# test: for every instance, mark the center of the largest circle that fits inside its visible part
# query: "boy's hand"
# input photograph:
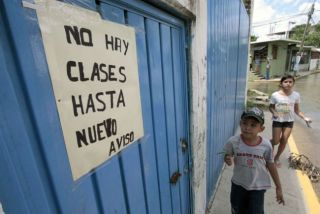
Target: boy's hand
(279, 194)
(228, 160)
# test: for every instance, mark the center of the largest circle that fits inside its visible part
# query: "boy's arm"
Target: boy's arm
(275, 177)
(228, 153)
(228, 159)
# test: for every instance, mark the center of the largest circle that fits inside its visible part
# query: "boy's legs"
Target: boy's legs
(256, 202)
(239, 199)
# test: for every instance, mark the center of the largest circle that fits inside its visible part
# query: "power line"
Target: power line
(284, 18)
(300, 53)
(281, 19)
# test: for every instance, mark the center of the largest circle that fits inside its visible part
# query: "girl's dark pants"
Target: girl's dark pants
(246, 201)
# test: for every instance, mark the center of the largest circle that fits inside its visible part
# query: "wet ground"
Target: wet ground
(307, 139)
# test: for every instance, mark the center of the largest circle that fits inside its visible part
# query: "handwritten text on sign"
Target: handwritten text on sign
(93, 69)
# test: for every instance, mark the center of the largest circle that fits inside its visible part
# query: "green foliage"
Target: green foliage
(312, 36)
(253, 38)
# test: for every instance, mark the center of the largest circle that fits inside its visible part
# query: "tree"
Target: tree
(312, 37)
(253, 38)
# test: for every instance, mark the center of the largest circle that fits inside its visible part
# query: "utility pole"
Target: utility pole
(300, 53)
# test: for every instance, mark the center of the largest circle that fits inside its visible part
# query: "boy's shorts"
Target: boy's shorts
(276, 124)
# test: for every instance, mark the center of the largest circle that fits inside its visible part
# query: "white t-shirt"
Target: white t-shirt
(250, 169)
(284, 105)
(268, 66)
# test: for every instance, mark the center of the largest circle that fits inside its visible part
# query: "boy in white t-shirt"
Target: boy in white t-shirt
(253, 162)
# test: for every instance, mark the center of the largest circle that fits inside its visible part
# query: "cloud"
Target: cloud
(262, 11)
(305, 8)
(296, 3)
(266, 11)
(287, 1)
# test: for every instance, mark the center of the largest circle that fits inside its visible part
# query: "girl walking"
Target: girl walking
(283, 105)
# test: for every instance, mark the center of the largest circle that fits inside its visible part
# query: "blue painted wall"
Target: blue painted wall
(228, 31)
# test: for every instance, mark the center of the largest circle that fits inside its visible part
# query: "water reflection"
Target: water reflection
(310, 93)
(308, 87)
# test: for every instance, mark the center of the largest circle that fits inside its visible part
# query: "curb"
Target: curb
(310, 197)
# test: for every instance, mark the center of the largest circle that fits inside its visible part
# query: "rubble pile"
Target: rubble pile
(302, 162)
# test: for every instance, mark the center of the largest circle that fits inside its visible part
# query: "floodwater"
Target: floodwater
(306, 139)
(309, 89)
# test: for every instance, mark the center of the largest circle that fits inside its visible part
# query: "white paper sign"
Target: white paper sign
(94, 73)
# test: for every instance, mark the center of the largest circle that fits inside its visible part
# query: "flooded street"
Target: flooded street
(309, 89)
(307, 139)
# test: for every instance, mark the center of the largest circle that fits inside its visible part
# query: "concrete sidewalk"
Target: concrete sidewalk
(293, 189)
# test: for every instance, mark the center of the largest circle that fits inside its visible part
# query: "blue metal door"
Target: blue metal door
(150, 176)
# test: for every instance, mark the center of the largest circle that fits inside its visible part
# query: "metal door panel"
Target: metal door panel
(129, 159)
(170, 111)
(133, 180)
(147, 148)
(110, 188)
(16, 179)
(157, 97)
(180, 90)
(151, 72)
(243, 57)
(226, 84)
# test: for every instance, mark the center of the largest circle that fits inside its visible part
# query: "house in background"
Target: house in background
(280, 53)
(314, 59)
(304, 64)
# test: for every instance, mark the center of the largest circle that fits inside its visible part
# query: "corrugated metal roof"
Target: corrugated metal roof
(276, 40)
(258, 48)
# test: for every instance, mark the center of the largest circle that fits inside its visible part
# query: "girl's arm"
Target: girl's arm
(272, 109)
(275, 177)
(300, 113)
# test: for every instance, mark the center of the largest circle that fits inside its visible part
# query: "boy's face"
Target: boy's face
(250, 127)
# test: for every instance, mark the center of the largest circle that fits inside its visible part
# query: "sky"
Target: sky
(285, 11)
